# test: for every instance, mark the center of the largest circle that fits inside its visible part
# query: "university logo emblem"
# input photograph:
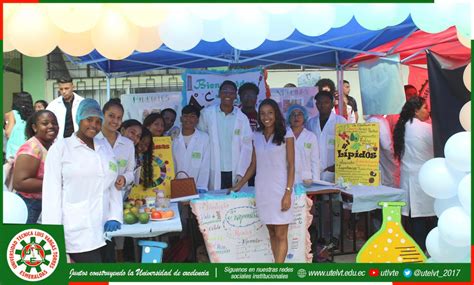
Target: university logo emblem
(33, 255)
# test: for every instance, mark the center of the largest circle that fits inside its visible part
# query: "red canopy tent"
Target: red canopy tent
(411, 49)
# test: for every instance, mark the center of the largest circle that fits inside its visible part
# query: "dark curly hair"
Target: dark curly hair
(280, 127)
(23, 103)
(326, 82)
(147, 160)
(406, 115)
(33, 120)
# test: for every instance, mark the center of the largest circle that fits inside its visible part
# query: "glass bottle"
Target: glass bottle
(391, 244)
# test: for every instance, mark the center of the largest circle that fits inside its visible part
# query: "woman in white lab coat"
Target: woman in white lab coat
(191, 152)
(306, 146)
(324, 127)
(78, 187)
(413, 146)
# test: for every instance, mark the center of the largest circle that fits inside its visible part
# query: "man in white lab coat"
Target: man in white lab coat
(230, 138)
(65, 108)
(191, 151)
(324, 127)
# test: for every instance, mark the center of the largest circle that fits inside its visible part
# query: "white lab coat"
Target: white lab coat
(79, 192)
(57, 107)
(389, 166)
(418, 150)
(195, 159)
(241, 144)
(326, 140)
(124, 151)
(306, 156)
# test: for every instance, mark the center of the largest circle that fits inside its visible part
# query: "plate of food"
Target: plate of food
(162, 215)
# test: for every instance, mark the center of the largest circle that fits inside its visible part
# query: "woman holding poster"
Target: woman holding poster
(273, 157)
(413, 146)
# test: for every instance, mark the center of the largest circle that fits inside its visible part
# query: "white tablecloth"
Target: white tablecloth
(366, 198)
(152, 228)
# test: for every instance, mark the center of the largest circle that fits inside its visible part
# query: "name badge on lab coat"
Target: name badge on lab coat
(308, 145)
(196, 155)
(122, 163)
(237, 132)
(112, 166)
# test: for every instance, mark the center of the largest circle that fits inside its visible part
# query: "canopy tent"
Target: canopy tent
(327, 51)
(411, 50)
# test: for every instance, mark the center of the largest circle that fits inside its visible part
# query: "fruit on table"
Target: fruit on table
(167, 214)
(156, 215)
(143, 218)
(130, 219)
(135, 210)
(127, 205)
(139, 203)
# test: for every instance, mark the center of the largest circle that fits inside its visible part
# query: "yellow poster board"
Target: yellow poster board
(357, 153)
(163, 170)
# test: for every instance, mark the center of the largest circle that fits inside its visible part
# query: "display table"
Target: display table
(151, 229)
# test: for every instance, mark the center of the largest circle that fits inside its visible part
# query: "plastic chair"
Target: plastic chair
(152, 251)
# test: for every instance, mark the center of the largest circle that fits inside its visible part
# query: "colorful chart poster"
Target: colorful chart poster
(233, 232)
(304, 96)
(357, 154)
(163, 171)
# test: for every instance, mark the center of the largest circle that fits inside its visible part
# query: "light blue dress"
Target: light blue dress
(17, 137)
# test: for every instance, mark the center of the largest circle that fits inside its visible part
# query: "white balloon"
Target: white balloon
(149, 39)
(313, 19)
(280, 27)
(145, 15)
(14, 209)
(457, 151)
(442, 204)
(212, 30)
(7, 45)
(31, 32)
(462, 18)
(181, 30)
(423, 15)
(74, 18)
(442, 251)
(455, 226)
(76, 44)
(245, 29)
(210, 11)
(464, 193)
(465, 116)
(113, 36)
(466, 77)
(344, 14)
(280, 8)
(465, 41)
(378, 16)
(438, 179)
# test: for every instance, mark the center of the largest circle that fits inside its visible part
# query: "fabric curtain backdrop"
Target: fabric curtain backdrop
(448, 94)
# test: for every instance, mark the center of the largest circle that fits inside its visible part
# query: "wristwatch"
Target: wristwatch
(289, 189)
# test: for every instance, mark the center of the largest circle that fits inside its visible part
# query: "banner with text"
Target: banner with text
(201, 88)
(138, 106)
(233, 232)
(357, 153)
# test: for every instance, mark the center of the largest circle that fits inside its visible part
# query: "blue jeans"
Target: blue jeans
(34, 209)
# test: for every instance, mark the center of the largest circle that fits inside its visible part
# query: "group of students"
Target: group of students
(78, 163)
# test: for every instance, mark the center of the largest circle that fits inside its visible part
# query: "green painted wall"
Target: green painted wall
(11, 84)
(34, 76)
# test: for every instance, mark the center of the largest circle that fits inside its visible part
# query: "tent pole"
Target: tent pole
(340, 83)
(107, 78)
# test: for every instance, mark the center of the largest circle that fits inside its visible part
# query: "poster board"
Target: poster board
(357, 154)
(233, 232)
(201, 88)
(138, 106)
(304, 96)
(163, 171)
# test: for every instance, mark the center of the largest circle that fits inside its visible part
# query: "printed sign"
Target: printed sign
(138, 106)
(202, 87)
(163, 171)
(357, 153)
(304, 96)
(233, 232)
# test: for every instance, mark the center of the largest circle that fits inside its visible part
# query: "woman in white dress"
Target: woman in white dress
(306, 146)
(273, 157)
(413, 146)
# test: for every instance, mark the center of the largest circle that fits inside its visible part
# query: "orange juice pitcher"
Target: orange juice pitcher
(391, 244)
